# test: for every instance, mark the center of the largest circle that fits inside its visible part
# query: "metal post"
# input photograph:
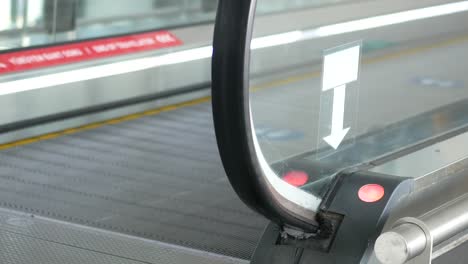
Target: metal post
(409, 239)
(24, 30)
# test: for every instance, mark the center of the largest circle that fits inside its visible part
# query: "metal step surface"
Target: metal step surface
(28, 239)
(158, 177)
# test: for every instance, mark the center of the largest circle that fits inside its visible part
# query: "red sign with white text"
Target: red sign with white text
(86, 50)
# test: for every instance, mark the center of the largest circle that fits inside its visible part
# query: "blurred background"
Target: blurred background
(25, 23)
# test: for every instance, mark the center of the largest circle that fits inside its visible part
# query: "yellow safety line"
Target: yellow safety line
(172, 107)
(103, 123)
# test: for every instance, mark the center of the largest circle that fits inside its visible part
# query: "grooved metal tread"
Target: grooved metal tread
(32, 239)
(158, 177)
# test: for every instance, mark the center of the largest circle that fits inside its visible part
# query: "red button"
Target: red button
(296, 178)
(371, 193)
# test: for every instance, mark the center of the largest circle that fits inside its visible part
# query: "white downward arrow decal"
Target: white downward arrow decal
(340, 68)
(337, 132)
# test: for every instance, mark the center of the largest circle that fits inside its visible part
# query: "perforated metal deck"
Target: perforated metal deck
(26, 239)
(158, 177)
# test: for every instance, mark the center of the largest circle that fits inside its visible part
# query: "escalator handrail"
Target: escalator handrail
(231, 113)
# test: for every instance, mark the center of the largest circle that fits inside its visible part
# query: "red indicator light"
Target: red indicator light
(296, 178)
(371, 193)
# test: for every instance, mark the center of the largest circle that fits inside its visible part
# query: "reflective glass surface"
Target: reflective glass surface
(345, 86)
(25, 23)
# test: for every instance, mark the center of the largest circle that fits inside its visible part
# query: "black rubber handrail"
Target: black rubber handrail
(231, 113)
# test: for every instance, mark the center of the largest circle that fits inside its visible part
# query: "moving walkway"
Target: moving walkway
(90, 181)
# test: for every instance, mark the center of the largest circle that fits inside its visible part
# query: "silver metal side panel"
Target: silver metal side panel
(432, 164)
(440, 172)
